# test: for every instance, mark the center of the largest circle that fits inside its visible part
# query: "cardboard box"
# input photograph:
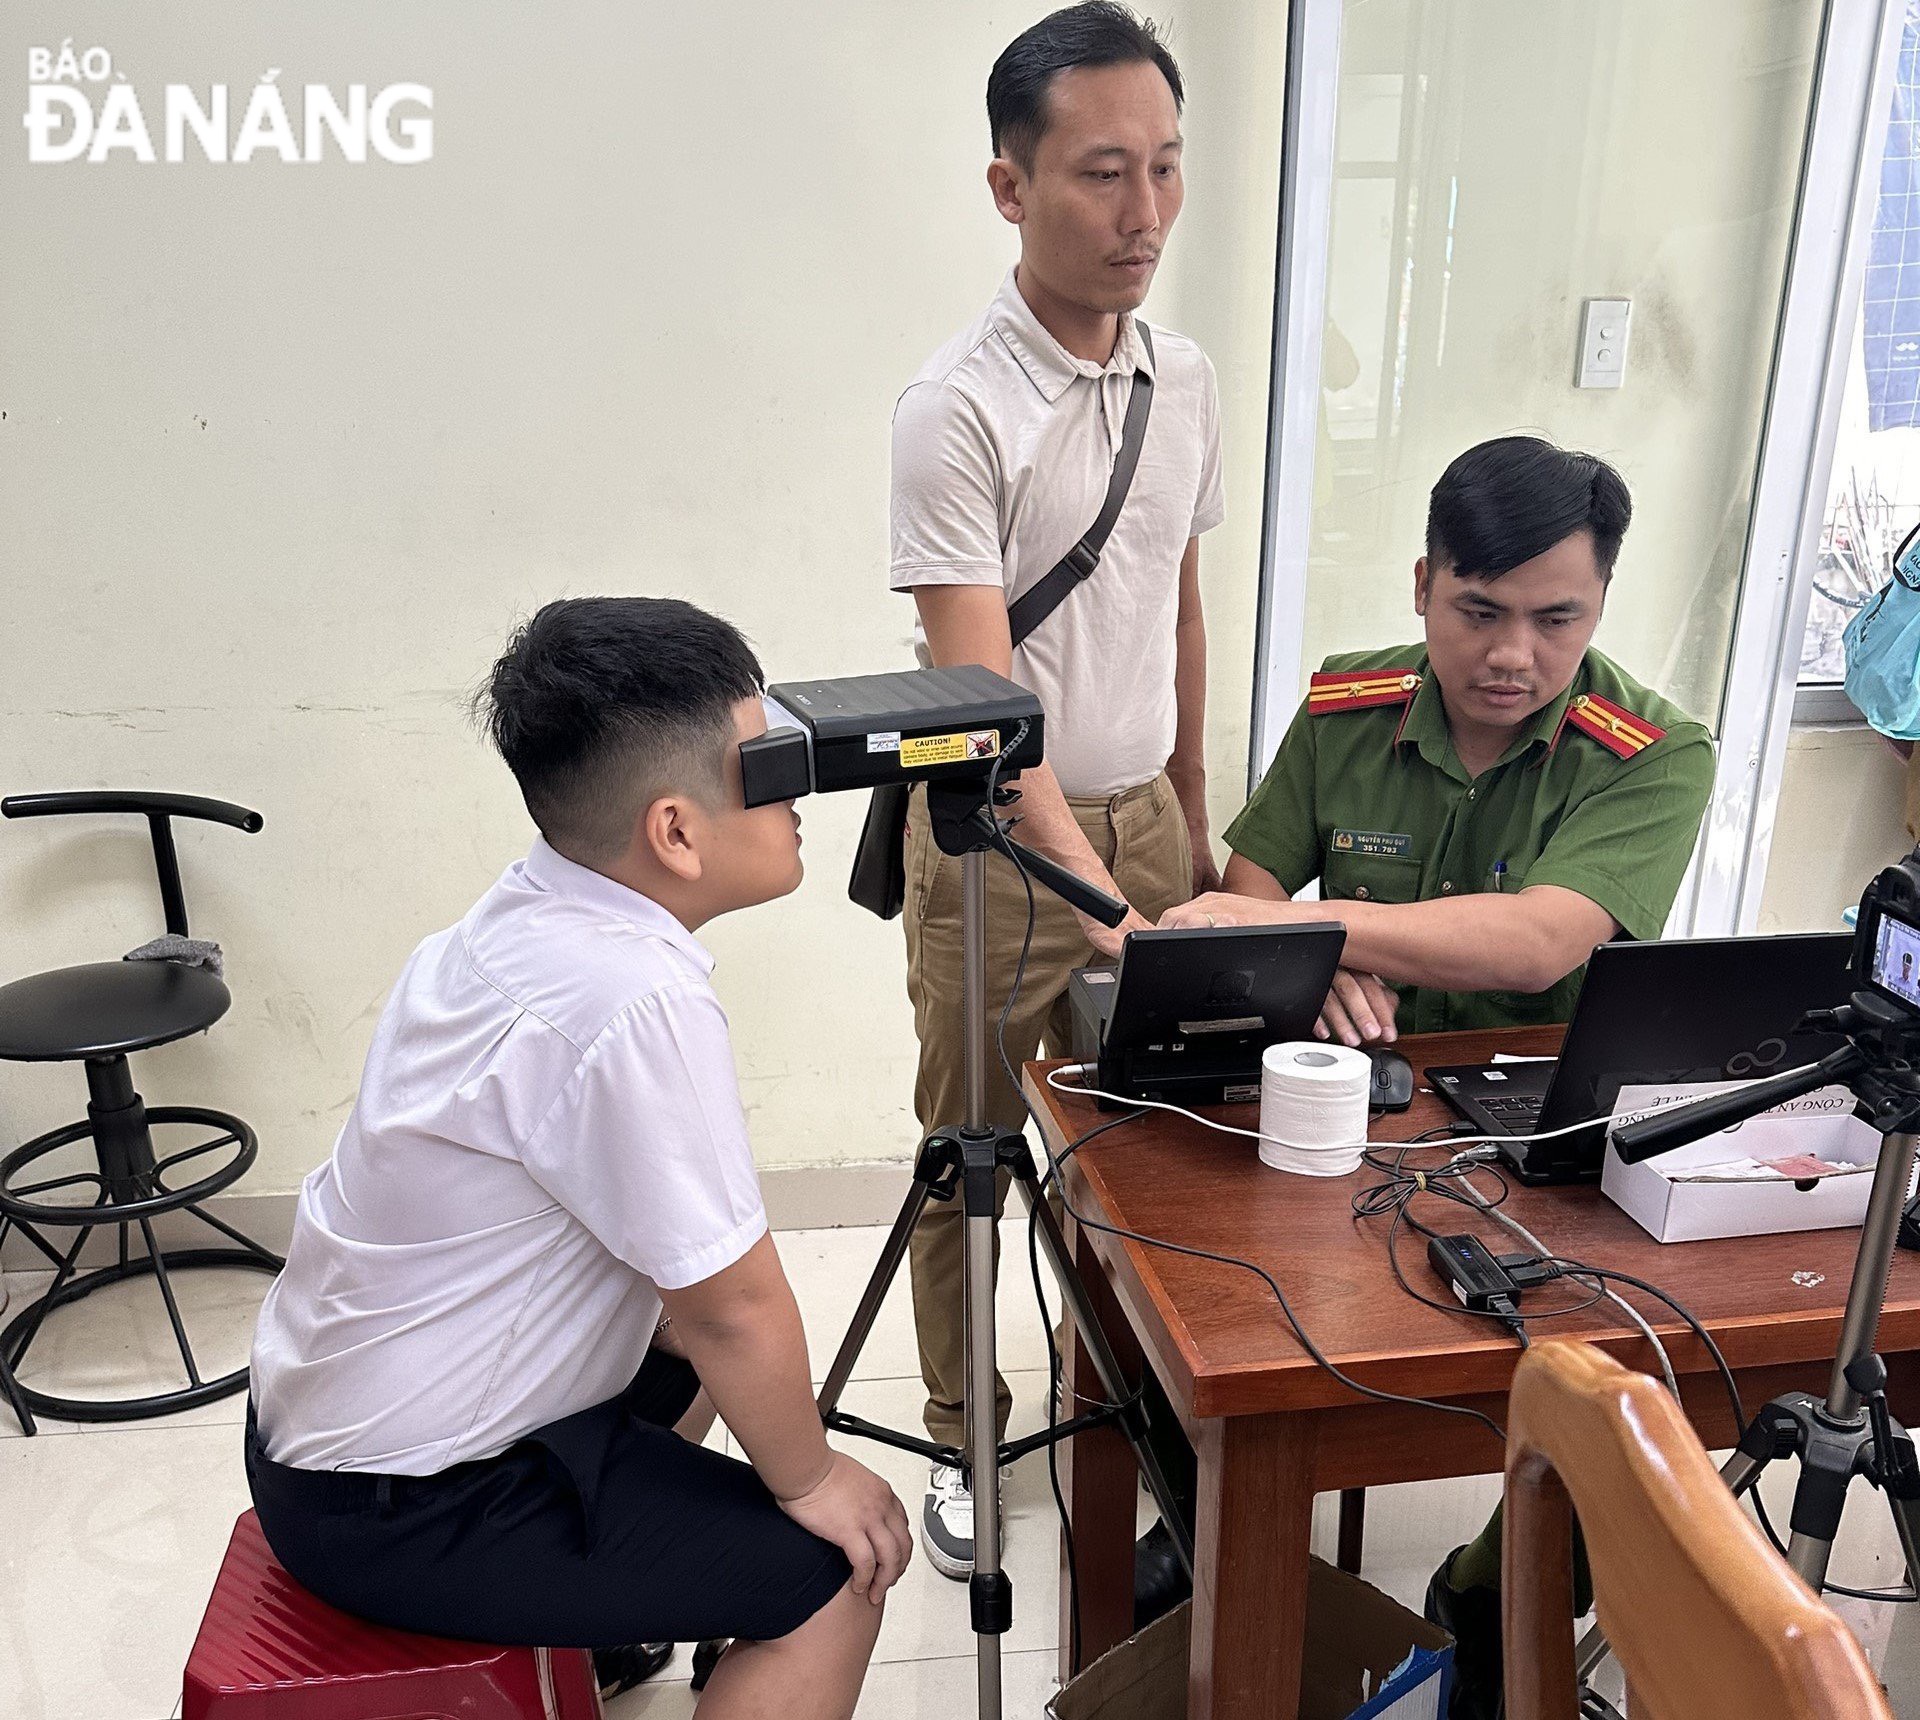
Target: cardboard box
(1671, 1209)
(1367, 1658)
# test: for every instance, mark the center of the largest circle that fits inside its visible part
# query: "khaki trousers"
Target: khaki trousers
(1141, 838)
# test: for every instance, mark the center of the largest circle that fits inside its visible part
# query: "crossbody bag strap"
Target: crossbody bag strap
(1052, 589)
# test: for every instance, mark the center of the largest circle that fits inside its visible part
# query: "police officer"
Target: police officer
(1484, 808)
(1480, 810)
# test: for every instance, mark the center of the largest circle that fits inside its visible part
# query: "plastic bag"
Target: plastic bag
(1882, 644)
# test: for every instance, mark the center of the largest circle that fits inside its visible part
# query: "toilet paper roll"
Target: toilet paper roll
(1313, 1108)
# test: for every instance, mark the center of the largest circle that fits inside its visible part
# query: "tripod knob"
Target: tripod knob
(1868, 1376)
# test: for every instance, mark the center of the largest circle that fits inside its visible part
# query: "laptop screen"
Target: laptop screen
(1698, 1009)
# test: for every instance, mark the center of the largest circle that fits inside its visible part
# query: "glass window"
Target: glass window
(1496, 165)
(1873, 494)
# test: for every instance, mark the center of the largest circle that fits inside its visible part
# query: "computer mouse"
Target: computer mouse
(1392, 1086)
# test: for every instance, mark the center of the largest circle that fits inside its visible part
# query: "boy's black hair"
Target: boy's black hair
(601, 704)
(1098, 33)
(1514, 498)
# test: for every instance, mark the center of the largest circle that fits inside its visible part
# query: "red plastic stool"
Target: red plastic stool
(268, 1650)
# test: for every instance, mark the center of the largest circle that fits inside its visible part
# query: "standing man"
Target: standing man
(1003, 447)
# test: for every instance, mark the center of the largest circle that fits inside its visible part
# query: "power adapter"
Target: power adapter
(1466, 1266)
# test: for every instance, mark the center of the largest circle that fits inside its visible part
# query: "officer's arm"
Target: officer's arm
(968, 624)
(1525, 942)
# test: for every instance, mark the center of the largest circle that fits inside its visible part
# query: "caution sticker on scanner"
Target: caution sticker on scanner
(923, 750)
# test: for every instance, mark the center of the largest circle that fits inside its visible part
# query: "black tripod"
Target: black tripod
(967, 1161)
(1849, 1434)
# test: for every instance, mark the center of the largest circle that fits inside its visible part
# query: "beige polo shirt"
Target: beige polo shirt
(1002, 449)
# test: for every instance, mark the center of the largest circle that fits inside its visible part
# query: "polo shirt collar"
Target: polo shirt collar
(1049, 366)
(1425, 725)
(552, 871)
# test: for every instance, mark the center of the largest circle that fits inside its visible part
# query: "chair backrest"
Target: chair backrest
(1707, 1620)
(159, 810)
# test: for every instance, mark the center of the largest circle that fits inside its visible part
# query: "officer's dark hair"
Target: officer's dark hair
(1514, 498)
(600, 705)
(1098, 33)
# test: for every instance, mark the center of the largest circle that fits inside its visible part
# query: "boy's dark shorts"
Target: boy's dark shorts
(601, 1529)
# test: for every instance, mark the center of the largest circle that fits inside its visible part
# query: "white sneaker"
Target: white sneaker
(946, 1522)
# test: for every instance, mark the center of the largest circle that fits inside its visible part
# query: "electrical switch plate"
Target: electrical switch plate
(1603, 343)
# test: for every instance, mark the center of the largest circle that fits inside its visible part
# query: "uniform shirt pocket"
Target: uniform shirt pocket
(1371, 878)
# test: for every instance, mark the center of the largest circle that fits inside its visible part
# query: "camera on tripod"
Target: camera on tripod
(1886, 942)
(871, 731)
(1850, 1433)
(1880, 1061)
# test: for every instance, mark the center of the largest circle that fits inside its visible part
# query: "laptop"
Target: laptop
(1187, 1013)
(1696, 1009)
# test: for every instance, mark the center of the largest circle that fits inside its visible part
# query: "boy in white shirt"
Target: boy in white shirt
(539, 1245)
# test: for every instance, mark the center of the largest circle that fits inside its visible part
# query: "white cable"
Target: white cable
(1084, 1069)
(1081, 1069)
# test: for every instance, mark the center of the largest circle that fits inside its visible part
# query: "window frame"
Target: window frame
(1832, 222)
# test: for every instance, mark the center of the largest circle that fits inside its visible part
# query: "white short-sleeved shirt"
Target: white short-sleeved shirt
(1002, 449)
(549, 1128)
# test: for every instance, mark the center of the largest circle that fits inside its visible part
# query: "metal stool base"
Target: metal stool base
(25, 1326)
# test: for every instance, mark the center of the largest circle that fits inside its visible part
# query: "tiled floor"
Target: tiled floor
(110, 1533)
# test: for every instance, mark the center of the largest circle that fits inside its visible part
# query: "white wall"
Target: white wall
(286, 449)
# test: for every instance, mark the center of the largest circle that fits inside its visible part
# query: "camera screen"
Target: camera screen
(1896, 959)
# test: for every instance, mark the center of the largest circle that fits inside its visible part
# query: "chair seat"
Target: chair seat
(269, 1650)
(106, 1009)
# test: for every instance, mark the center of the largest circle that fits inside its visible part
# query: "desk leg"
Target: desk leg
(1250, 1575)
(1101, 1484)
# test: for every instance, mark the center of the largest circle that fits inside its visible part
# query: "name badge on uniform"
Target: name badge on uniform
(1376, 844)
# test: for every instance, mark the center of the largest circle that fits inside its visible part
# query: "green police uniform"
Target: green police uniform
(1601, 793)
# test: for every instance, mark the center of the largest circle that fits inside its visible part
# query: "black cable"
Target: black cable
(1396, 1192)
(1402, 1216)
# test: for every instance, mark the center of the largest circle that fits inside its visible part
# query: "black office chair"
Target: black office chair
(98, 1014)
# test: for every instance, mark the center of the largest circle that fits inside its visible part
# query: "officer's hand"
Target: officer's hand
(1359, 1010)
(1215, 909)
(1108, 939)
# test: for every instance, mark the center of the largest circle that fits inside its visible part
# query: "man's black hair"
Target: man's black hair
(1098, 33)
(601, 704)
(1514, 498)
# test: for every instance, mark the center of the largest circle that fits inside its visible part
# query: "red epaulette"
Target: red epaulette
(1360, 690)
(1619, 731)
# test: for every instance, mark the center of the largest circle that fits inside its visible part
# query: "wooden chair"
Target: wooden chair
(1706, 1619)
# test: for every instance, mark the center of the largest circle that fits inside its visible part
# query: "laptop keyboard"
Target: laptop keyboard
(1513, 1108)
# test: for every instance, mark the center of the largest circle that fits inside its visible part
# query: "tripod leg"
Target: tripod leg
(1105, 1365)
(930, 1169)
(1906, 1524)
(989, 1589)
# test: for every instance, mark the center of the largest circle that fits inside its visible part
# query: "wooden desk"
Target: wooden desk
(1271, 1428)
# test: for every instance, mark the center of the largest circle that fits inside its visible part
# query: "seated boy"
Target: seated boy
(462, 1423)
